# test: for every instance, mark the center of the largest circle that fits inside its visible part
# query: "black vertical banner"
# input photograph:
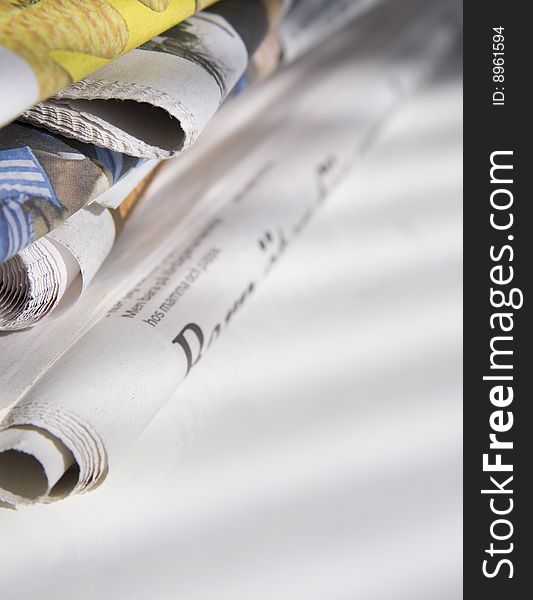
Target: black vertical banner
(498, 260)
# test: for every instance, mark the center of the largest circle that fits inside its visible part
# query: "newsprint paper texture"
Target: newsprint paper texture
(45, 179)
(51, 274)
(82, 389)
(155, 101)
(46, 45)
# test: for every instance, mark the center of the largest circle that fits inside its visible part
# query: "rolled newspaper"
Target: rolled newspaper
(155, 101)
(45, 179)
(84, 388)
(51, 274)
(36, 197)
(46, 45)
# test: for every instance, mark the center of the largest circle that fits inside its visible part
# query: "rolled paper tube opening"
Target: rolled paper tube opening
(143, 121)
(32, 462)
(33, 282)
(127, 122)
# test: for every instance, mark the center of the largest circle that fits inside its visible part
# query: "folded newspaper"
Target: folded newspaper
(44, 179)
(79, 390)
(155, 101)
(26, 297)
(46, 45)
(50, 274)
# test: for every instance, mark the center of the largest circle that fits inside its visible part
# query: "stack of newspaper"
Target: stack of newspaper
(95, 97)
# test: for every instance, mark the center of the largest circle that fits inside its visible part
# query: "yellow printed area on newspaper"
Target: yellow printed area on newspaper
(65, 40)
